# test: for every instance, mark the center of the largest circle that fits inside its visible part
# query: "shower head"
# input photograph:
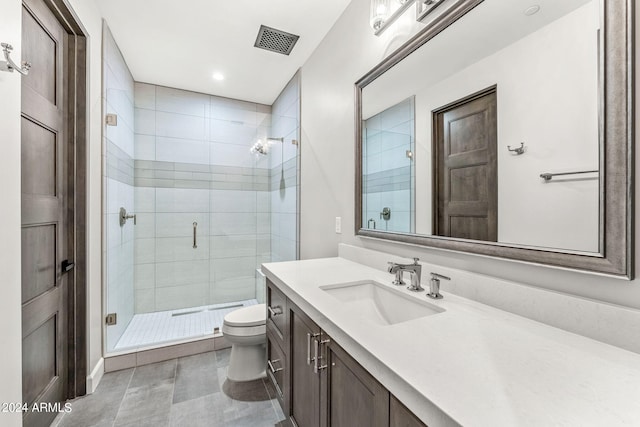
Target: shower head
(261, 147)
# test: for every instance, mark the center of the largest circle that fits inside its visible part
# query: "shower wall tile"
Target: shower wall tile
(263, 223)
(192, 163)
(233, 246)
(234, 110)
(145, 147)
(182, 150)
(230, 290)
(145, 276)
(180, 126)
(230, 155)
(232, 132)
(145, 300)
(145, 121)
(145, 96)
(145, 199)
(181, 224)
(232, 268)
(182, 273)
(183, 296)
(145, 227)
(170, 249)
(182, 102)
(145, 251)
(233, 201)
(233, 223)
(182, 200)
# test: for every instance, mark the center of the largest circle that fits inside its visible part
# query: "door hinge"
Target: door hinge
(111, 319)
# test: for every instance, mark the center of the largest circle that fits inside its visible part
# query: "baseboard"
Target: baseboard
(94, 378)
(160, 353)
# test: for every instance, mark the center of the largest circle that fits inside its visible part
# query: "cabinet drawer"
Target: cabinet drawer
(276, 366)
(276, 312)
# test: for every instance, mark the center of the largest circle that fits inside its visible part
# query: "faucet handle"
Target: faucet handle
(415, 261)
(436, 276)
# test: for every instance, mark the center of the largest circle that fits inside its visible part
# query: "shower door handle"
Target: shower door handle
(195, 240)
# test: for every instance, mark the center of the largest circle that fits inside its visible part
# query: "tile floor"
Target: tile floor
(163, 326)
(186, 392)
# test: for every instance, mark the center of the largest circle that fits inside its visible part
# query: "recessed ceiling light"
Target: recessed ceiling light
(218, 76)
(532, 10)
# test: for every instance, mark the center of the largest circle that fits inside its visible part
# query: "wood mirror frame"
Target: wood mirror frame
(616, 111)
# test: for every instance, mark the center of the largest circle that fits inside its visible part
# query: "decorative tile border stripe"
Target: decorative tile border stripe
(388, 180)
(198, 176)
(119, 166)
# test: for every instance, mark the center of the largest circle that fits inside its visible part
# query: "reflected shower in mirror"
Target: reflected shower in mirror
(440, 127)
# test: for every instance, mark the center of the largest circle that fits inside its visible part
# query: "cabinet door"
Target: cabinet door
(304, 394)
(351, 397)
(277, 369)
(400, 416)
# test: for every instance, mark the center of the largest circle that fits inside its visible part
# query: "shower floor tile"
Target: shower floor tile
(163, 326)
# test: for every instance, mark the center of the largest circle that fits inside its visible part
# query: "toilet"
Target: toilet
(245, 329)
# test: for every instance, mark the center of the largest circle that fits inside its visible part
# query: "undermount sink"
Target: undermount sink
(380, 304)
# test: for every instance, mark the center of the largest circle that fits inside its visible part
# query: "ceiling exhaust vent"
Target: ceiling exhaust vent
(275, 40)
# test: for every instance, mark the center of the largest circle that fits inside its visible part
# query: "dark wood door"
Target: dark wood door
(351, 397)
(304, 394)
(44, 216)
(465, 168)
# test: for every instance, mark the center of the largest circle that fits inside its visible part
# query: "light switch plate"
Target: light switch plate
(338, 225)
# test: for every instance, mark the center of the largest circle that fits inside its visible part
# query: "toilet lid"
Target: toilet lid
(253, 315)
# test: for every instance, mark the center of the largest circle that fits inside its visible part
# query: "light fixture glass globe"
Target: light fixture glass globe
(380, 11)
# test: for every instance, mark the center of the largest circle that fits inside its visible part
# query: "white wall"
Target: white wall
(348, 51)
(537, 107)
(10, 311)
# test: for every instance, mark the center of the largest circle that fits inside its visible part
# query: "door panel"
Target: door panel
(44, 213)
(466, 171)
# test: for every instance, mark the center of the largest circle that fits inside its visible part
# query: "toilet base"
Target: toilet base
(247, 362)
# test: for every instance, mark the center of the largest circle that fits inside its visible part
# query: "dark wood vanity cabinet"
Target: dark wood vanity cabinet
(319, 384)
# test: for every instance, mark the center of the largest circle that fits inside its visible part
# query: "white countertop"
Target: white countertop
(472, 365)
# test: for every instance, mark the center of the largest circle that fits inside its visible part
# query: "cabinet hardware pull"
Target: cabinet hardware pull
(316, 350)
(274, 370)
(309, 336)
(274, 311)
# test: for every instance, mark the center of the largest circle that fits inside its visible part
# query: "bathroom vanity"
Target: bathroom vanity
(345, 347)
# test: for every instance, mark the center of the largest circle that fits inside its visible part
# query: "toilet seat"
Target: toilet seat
(243, 332)
(254, 315)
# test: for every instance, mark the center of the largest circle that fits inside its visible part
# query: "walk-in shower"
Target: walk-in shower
(190, 213)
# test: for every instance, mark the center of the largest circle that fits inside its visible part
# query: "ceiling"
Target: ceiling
(181, 44)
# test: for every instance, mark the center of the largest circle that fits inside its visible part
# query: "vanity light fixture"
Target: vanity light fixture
(386, 12)
(218, 76)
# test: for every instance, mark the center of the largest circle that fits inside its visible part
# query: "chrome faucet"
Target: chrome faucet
(414, 269)
(434, 285)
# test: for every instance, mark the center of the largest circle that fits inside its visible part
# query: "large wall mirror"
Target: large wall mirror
(505, 129)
